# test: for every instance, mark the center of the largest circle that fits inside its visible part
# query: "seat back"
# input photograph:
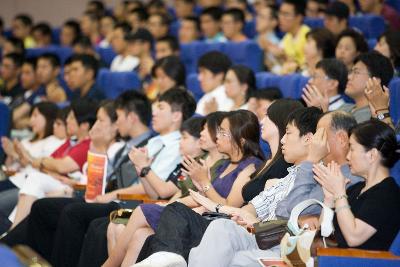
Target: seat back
(394, 89)
(115, 83)
(395, 247)
(62, 52)
(5, 124)
(193, 85)
(106, 54)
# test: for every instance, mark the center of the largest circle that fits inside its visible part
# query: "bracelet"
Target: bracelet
(339, 197)
(342, 208)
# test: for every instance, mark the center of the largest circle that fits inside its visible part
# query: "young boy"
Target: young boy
(212, 68)
(47, 71)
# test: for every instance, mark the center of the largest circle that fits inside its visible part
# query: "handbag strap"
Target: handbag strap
(327, 217)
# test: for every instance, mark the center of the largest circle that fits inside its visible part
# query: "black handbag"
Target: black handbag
(269, 234)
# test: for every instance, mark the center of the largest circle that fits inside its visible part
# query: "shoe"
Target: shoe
(162, 259)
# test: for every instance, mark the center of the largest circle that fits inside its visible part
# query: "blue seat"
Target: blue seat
(174, 28)
(62, 52)
(115, 83)
(314, 22)
(106, 54)
(9, 258)
(5, 124)
(250, 29)
(247, 53)
(267, 79)
(193, 85)
(371, 43)
(394, 89)
(55, 35)
(372, 26)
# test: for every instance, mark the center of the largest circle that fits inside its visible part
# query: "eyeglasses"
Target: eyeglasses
(222, 133)
(358, 72)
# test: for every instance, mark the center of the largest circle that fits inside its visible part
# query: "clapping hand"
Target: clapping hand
(378, 96)
(202, 200)
(140, 158)
(197, 171)
(315, 98)
(331, 179)
(319, 147)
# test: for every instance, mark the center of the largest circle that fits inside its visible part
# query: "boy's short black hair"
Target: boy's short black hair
(136, 102)
(214, 12)
(335, 69)
(52, 58)
(299, 6)
(171, 41)
(268, 93)
(193, 126)
(125, 27)
(74, 25)
(16, 58)
(236, 14)
(43, 27)
(193, 19)
(25, 19)
(30, 61)
(378, 66)
(141, 13)
(17, 43)
(84, 111)
(215, 61)
(180, 101)
(83, 41)
(305, 119)
(89, 62)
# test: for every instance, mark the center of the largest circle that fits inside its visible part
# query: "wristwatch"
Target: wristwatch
(145, 171)
(382, 116)
(218, 207)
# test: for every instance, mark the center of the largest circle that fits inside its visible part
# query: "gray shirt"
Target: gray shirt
(306, 187)
(360, 114)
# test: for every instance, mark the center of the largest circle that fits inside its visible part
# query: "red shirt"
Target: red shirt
(77, 152)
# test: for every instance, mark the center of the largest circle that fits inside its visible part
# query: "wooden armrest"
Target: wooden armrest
(140, 197)
(79, 187)
(29, 257)
(356, 253)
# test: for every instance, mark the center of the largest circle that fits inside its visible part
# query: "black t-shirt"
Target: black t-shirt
(379, 207)
(256, 185)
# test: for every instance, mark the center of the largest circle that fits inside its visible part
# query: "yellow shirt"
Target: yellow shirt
(294, 45)
(29, 42)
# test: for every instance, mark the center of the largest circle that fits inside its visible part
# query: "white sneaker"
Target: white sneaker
(162, 259)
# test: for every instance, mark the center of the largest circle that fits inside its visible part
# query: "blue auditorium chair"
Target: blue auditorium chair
(55, 35)
(193, 85)
(394, 89)
(267, 79)
(188, 56)
(174, 28)
(314, 22)
(5, 124)
(62, 52)
(115, 83)
(106, 54)
(372, 26)
(250, 29)
(371, 43)
(247, 53)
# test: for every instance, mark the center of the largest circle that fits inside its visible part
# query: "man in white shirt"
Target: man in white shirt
(123, 61)
(212, 68)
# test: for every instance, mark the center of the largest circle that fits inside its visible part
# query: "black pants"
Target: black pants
(71, 229)
(180, 229)
(95, 243)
